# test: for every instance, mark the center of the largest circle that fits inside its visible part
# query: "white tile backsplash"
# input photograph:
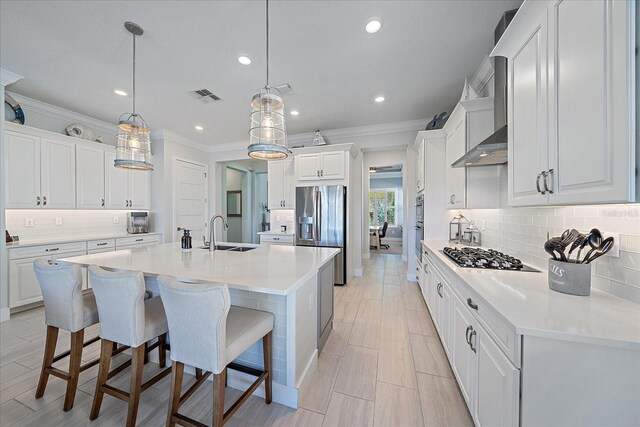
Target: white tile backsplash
(521, 232)
(74, 223)
(282, 217)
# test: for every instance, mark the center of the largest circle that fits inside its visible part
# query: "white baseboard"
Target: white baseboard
(357, 272)
(4, 314)
(366, 255)
(309, 370)
(412, 277)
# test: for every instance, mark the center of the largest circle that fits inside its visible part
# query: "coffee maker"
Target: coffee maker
(137, 222)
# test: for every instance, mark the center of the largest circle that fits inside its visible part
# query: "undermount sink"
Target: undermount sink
(230, 248)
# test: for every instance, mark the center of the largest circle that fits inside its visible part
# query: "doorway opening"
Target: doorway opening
(386, 209)
(244, 199)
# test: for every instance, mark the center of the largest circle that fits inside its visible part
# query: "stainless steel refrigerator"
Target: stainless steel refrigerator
(321, 215)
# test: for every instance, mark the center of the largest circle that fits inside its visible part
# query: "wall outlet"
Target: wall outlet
(116, 220)
(614, 252)
(58, 221)
(28, 222)
(311, 302)
(290, 218)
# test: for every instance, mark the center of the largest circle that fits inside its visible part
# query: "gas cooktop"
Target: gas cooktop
(485, 258)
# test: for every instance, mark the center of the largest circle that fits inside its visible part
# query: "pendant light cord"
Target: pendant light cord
(134, 74)
(267, 9)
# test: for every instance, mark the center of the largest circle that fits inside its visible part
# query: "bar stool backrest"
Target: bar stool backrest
(120, 300)
(197, 318)
(61, 286)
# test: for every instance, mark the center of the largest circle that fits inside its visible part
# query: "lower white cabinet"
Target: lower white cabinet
(137, 241)
(464, 358)
(277, 239)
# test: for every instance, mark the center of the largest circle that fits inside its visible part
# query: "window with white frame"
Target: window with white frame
(382, 206)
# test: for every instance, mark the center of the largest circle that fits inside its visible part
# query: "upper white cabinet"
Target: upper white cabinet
(125, 188)
(41, 172)
(90, 189)
(420, 170)
(50, 171)
(470, 187)
(571, 102)
(281, 179)
(320, 166)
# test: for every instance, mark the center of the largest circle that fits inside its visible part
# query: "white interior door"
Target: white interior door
(190, 199)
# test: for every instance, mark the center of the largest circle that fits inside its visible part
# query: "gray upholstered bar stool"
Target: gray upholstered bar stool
(208, 333)
(126, 318)
(66, 308)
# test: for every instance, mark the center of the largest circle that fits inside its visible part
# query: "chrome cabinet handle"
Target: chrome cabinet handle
(469, 328)
(139, 240)
(318, 173)
(452, 199)
(321, 172)
(438, 289)
(471, 304)
(548, 187)
(276, 238)
(102, 204)
(471, 342)
(37, 200)
(101, 244)
(44, 200)
(538, 183)
(52, 249)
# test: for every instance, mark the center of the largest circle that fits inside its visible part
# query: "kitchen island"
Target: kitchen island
(288, 281)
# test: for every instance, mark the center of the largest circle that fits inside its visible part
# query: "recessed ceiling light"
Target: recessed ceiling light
(294, 112)
(120, 92)
(374, 25)
(379, 99)
(244, 60)
(199, 127)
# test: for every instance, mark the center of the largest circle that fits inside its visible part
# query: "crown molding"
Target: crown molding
(166, 134)
(33, 105)
(7, 77)
(333, 135)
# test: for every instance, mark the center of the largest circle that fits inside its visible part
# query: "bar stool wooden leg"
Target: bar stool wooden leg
(162, 350)
(137, 362)
(198, 373)
(177, 373)
(75, 358)
(218, 398)
(146, 355)
(266, 350)
(47, 361)
(106, 349)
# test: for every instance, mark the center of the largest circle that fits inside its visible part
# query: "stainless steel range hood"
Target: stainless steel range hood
(493, 150)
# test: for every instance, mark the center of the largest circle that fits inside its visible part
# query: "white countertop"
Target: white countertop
(525, 300)
(267, 269)
(80, 238)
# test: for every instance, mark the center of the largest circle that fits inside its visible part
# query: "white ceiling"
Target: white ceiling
(72, 54)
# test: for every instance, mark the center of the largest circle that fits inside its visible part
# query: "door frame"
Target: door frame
(174, 191)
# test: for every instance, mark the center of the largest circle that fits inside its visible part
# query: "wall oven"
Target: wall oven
(419, 227)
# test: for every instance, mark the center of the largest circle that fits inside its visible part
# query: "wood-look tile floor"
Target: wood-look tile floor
(383, 365)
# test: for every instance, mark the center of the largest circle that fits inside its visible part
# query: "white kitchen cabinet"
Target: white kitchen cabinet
(125, 188)
(23, 284)
(420, 178)
(474, 187)
(572, 136)
(456, 147)
(498, 384)
(281, 188)
(137, 241)
(41, 172)
(22, 173)
(90, 177)
(464, 357)
(277, 239)
(320, 166)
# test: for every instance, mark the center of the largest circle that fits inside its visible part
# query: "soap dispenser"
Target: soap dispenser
(186, 239)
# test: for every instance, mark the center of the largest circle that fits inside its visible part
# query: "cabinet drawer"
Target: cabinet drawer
(47, 250)
(137, 240)
(502, 334)
(101, 244)
(277, 238)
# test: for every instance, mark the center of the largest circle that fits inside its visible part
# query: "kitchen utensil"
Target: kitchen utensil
(578, 242)
(559, 248)
(548, 246)
(605, 247)
(594, 240)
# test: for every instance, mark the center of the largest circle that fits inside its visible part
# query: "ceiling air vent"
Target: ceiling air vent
(204, 95)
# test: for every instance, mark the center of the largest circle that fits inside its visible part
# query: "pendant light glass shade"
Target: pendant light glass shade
(133, 150)
(134, 143)
(267, 136)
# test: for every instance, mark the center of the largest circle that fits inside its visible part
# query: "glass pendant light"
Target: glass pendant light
(267, 135)
(134, 136)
